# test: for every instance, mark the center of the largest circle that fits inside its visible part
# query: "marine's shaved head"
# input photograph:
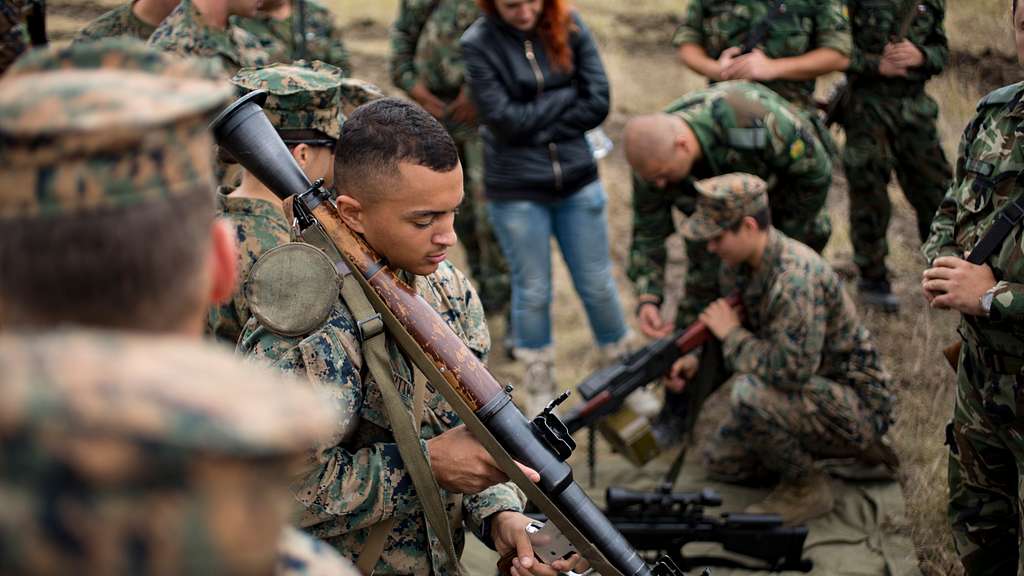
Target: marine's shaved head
(650, 138)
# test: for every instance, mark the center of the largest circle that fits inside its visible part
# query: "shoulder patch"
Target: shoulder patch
(291, 289)
(1001, 96)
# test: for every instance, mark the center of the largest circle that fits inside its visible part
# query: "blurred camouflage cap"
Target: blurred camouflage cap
(300, 96)
(79, 139)
(355, 93)
(117, 53)
(722, 202)
(146, 455)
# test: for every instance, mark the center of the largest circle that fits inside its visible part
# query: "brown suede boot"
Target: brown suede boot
(798, 502)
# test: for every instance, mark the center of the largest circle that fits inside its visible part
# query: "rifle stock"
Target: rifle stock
(482, 403)
(605, 391)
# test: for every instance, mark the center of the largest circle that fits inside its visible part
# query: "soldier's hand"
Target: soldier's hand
(462, 465)
(683, 370)
(754, 65)
(954, 283)
(424, 97)
(720, 318)
(903, 54)
(651, 323)
(462, 109)
(889, 69)
(508, 531)
(725, 60)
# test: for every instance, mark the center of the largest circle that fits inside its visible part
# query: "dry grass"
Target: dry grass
(645, 76)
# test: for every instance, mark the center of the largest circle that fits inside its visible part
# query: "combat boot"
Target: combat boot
(538, 383)
(877, 293)
(798, 502)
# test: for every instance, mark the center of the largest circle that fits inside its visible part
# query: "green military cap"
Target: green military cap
(722, 202)
(119, 53)
(355, 93)
(80, 139)
(303, 99)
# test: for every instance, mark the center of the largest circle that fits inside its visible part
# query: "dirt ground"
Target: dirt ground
(634, 39)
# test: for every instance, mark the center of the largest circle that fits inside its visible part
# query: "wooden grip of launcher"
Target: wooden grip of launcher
(952, 354)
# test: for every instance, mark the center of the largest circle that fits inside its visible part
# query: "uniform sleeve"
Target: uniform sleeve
(790, 351)
(358, 488)
(1008, 302)
(471, 315)
(691, 31)
(863, 63)
(832, 27)
(652, 225)
(481, 506)
(802, 163)
(590, 108)
(405, 34)
(928, 33)
(941, 239)
(336, 52)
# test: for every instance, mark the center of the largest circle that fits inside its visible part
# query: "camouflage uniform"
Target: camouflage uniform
(807, 380)
(806, 25)
(184, 33)
(323, 36)
(986, 437)
(741, 127)
(359, 479)
(13, 35)
(120, 21)
(127, 452)
(298, 99)
(890, 123)
(425, 47)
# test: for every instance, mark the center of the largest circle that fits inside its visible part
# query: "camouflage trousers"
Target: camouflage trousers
(887, 133)
(483, 254)
(702, 267)
(774, 433)
(986, 468)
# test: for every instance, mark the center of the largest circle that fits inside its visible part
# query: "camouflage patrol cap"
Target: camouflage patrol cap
(146, 454)
(79, 139)
(355, 93)
(722, 202)
(300, 96)
(117, 53)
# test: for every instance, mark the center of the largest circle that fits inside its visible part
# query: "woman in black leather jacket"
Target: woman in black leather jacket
(539, 85)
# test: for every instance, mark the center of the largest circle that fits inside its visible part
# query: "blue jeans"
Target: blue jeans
(580, 224)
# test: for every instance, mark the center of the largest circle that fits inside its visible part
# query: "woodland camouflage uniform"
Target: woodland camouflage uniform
(358, 478)
(323, 36)
(806, 25)
(890, 123)
(13, 35)
(986, 437)
(807, 380)
(128, 452)
(425, 47)
(183, 32)
(744, 127)
(120, 21)
(299, 98)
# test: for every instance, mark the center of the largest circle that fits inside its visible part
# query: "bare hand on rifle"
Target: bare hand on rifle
(720, 318)
(683, 370)
(955, 284)
(425, 98)
(903, 54)
(508, 531)
(463, 466)
(652, 324)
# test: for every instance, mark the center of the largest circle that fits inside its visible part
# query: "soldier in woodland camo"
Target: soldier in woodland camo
(137, 19)
(807, 380)
(275, 29)
(129, 447)
(986, 436)
(202, 28)
(426, 63)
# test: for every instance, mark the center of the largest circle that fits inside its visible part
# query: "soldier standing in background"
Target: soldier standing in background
(202, 28)
(426, 63)
(889, 122)
(985, 436)
(277, 28)
(304, 105)
(129, 447)
(790, 43)
(138, 19)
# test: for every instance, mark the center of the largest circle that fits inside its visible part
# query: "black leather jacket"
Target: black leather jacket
(533, 117)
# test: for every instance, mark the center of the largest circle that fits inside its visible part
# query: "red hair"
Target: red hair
(553, 26)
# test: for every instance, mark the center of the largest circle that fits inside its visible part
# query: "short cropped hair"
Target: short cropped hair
(762, 217)
(381, 134)
(126, 267)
